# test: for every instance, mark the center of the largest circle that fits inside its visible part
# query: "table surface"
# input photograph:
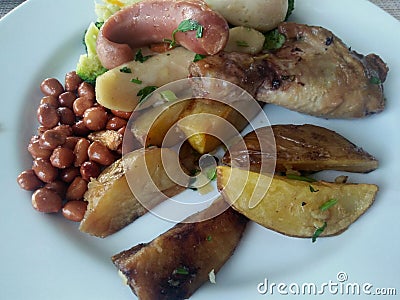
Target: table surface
(391, 6)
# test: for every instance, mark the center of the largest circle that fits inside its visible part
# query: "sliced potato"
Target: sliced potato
(111, 203)
(294, 207)
(195, 124)
(245, 40)
(301, 148)
(178, 262)
(115, 89)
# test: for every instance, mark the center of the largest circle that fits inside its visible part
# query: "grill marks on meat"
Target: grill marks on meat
(314, 73)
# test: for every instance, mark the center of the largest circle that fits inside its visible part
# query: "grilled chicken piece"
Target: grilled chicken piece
(314, 73)
(178, 262)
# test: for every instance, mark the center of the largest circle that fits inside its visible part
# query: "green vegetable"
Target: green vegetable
(242, 43)
(328, 204)
(290, 9)
(198, 57)
(125, 70)
(181, 271)
(318, 232)
(375, 80)
(139, 56)
(301, 178)
(312, 190)
(273, 40)
(89, 65)
(136, 80)
(209, 238)
(187, 25)
(144, 92)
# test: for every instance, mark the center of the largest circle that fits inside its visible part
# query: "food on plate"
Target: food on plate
(111, 203)
(307, 147)
(313, 72)
(262, 15)
(295, 207)
(245, 39)
(191, 24)
(120, 87)
(176, 263)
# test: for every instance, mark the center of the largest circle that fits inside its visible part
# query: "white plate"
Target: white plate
(46, 257)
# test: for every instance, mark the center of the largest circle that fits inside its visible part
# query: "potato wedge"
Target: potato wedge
(294, 207)
(198, 124)
(111, 203)
(115, 89)
(302, 148)
(178, 262)
(245, 40)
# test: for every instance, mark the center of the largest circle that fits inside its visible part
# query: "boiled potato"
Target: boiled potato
(175, 264)
(293, 207)
(195, 124)
(245, 40)
(115, 89)
(305, 147)
(111, 203)
(262, 15)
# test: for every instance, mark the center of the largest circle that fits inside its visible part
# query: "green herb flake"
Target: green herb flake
(318, 232)
(187, 25)
(99, 24)
(144, 92)
(242, 43)
(328, 204)
(125, 70)
(312, 189)
(168, 95)
(301, 178)
(209, 238)
(273, 40)
(137, 81)
(198, 57)
(181, 271)
(140, 58)
(375, 80)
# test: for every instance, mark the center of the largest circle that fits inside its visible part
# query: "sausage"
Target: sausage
(152, 21)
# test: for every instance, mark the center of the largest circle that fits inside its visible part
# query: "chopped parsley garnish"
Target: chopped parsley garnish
(99, 24)
(139, 56)
(181, 271)
(242, 43)
(137, 81)
(328, 204)
(318, 232)
(209, 238)
(144, 92)
(290, 9)
(125, 70)
(312, 190)
(198, 57)
(273, 40)
(375, 80)
(301, 178)
(184, 26)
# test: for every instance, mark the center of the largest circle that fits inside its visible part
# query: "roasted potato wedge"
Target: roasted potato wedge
(293, 207)
(197, 126)
(111, 203)
(302, 148)
(175, 264)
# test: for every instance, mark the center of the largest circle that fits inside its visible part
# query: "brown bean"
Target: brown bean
(50, 139)
(80, 129)
(36, 151)
(64, 129)
(46, 200)
(47, 115)
(70, 142)
(77, 189)
(62, 157)
(66, 99)
(51, 100)
(122, 114)
(115, 123)
(81, 104)
(68, 174)
(72, 81)
(44, 170)
(100, 154)
(74, 210)
(95, 118)
(51, 87)
(86, 90)
(66, 115)
(89, 169)
(29, 181)
(81, 151)
(57, 186)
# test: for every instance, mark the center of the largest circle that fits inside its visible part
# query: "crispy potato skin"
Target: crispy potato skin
(198, 248)
(292, 207)
(303, 148)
